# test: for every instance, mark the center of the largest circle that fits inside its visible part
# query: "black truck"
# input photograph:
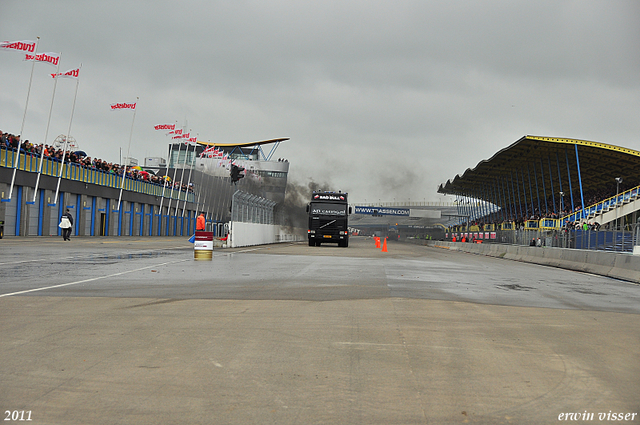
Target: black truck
(328, 218)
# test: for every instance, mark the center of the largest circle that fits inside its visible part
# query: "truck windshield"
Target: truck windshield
(333, 210)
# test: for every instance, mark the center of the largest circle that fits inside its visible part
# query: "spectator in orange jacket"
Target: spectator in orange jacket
(200, 222)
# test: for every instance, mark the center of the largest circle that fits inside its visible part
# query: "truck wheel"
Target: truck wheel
(312, 242)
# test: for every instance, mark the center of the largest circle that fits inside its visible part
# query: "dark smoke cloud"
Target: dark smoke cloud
(298, 195)
(400, 182)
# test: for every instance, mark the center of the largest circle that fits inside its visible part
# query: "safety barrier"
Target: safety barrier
(249, 234)
(254, 221)
(611, 264)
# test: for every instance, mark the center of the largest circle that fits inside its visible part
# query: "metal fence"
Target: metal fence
(622, 240)
(248, 208)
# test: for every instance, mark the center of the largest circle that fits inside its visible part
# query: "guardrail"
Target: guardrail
(624, 240)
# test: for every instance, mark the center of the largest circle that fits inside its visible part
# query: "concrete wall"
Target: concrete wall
(617, 265)
(249, 234)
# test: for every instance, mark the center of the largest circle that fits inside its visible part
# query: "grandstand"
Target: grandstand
(548, 184)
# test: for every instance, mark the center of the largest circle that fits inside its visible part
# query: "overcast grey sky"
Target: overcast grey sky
(384, 99)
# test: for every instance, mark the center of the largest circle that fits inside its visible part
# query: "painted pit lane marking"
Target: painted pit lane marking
(92, 279)
(108, 276)
(82, 256)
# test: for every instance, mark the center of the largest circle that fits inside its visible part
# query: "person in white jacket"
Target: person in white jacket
(66, 223)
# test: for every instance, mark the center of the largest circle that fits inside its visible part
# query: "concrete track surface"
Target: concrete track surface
(133, 331)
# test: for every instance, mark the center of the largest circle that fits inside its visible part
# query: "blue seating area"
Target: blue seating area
(603, 206)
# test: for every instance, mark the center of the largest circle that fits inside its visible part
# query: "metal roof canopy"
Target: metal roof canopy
(253, 145)
(537, 164)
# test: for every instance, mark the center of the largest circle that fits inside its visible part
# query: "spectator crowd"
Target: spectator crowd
(590, 198)
(12, 142)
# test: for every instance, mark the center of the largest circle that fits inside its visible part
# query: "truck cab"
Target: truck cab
(328, 218)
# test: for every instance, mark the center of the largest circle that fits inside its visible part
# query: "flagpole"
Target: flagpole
(200, 188)
(46, 133)
(66, 139)
(186, 155)
(124, 171)
(164, 185)
(199, 194)
(173, 183)
(184, 206)
(16, 162)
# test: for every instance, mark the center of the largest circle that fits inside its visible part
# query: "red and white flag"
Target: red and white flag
(72, 73)
(165, 127)
(19, 46)
(176, 137)
(213, 152)
(176, 131)
(119, 106)
(193, 139)
(207, 152)
(186, 135)
(48, 57)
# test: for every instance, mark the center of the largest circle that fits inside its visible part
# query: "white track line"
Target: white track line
(107, 276)
(39, 259)
(92, 279)
(89, 256)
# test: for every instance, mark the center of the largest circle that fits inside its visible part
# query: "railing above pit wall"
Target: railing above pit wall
(72, 171)
(622, 240)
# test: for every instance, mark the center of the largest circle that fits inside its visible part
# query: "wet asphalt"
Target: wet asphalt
(164, 268)
(134, 331)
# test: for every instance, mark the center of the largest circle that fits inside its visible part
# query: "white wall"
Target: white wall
(248, 234)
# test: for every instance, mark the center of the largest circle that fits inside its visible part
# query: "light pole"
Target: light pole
(618, 181)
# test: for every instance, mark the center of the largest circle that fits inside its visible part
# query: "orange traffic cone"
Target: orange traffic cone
(384, 245)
